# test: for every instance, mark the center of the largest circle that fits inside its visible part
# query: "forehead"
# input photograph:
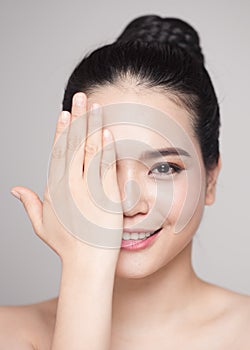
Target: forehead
(144, 114)
(158, 101)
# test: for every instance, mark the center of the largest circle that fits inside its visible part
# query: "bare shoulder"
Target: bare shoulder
(30, 326)
(238, 320)
(232, 316)
(235, 304)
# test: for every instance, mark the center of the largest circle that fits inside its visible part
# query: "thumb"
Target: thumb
(32, 204)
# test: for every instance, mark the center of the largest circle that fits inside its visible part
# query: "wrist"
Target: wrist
(84, 258)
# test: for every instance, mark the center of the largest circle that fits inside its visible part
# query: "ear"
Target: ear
(212, 177)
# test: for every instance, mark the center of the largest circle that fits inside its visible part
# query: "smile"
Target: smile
(138, 235)
(137, 244)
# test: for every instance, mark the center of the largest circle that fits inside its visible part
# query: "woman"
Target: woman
(136, 153)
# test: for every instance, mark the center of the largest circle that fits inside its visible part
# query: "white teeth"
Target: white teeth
(126, 236)
(135, 235)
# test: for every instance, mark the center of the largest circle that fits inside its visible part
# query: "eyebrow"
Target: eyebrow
(170, 151)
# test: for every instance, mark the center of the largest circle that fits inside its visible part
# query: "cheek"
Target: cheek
(181, 201)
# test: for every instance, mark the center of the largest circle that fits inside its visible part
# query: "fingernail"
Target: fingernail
(78, 99)
(95, 108)
(65, 117)
(107, 134)
(16, 194)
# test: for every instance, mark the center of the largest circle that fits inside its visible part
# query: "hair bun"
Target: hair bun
(174, 31)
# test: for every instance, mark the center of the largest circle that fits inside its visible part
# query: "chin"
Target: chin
(134, 267)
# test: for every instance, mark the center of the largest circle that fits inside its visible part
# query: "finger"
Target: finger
(33, 206)
(79, 105)
(108, 167)
(77, 135)
(62, 124)
(93, 144)
(58, 153)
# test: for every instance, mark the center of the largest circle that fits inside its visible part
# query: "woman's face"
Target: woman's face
(160, 173)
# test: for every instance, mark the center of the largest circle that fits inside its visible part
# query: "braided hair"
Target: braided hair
(164, 31)
(162, 53)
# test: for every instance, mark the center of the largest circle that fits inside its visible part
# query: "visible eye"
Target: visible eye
(165, 169)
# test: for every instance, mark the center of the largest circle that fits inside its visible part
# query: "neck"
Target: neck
(152, 300)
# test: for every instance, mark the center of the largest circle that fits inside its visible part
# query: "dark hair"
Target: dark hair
(160, 53)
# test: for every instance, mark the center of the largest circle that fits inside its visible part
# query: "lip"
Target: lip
(135, 245)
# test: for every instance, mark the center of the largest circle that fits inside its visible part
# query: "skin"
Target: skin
(157, 299)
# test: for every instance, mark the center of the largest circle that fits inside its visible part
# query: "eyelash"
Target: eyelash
(176, 169)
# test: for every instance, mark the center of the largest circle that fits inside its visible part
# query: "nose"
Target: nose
(132, 185)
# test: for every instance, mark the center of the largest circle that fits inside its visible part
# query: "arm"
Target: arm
(85, 305)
